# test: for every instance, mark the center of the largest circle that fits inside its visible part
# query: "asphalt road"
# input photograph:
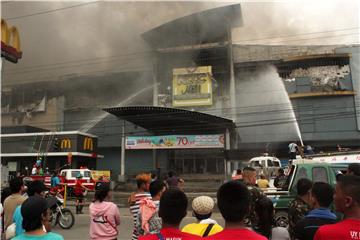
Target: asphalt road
(80, 230)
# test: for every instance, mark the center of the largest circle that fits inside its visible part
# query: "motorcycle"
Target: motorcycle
(60, 215)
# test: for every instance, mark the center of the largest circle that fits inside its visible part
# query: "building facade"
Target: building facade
(255, 97)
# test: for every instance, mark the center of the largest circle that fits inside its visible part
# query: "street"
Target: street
(80, 230)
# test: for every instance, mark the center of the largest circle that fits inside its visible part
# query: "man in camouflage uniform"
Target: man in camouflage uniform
(249, 178)
(299, 207)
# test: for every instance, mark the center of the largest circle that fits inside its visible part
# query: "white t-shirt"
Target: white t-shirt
(292, 147)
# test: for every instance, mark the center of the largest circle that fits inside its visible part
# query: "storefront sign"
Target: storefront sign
(192, 86)
(175, 142)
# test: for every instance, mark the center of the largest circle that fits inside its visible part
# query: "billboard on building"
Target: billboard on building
(175, 141)
(192, 86)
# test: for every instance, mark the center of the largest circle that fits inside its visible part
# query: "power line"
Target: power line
(301, 34)
(50, 11)
(56, 65)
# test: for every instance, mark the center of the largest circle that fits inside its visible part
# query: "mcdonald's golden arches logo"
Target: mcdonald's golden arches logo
(88, 144)
(10, 42)
(65, 143)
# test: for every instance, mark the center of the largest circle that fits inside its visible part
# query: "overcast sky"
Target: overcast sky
(104, 36)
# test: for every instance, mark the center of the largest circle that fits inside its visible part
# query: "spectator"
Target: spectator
(55, 180)
(238, 175)
(347, 201)
(234, 200)
(293, 149)
(143, 182)
(249, 178)
(203, 207)
(4, 194)
(321, 198)
(265, 211)
(14, 200)
(36, 215)
(173, 208)
(79, 194)
(353, 169)
(104, 215)
(263, 183)
(300, 206)
(148, 221)
(35, 188)
(280, 179)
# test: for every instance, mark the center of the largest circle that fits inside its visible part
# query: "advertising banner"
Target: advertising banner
(192, 86)
(175, 141)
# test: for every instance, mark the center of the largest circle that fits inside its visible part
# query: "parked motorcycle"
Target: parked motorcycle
(60, 215)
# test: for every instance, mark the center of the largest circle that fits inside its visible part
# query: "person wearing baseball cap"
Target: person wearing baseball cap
(36, 213)
(203, 207)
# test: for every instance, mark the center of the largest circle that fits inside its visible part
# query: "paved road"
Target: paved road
(80, 230)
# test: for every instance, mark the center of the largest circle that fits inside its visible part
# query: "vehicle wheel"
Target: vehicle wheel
(281, 219)
(53, 219)
(66, 219)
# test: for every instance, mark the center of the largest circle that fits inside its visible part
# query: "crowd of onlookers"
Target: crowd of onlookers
(158, 206)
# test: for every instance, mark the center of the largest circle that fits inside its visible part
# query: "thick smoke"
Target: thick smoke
(101, 37)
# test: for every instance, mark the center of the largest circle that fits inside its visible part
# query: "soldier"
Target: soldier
(300, 206)
(249, 178)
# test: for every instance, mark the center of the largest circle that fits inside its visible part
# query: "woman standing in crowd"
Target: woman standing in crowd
(104, 214)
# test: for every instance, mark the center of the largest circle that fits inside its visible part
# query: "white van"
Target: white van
(69, 177)
(266, 165)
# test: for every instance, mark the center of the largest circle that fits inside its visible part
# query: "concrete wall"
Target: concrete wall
(51, 118)
(355, 76)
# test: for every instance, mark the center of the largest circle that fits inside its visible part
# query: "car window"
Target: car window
(263, 163)
(276, 164)
(74, 173)
(301, 173)
(270, 163)
(319, 174)
(287, 183)
(87, 174)
(63, 174)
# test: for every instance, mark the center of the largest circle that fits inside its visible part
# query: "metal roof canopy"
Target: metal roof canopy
(162, 120)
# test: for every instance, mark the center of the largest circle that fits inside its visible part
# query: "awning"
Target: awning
(162, 120)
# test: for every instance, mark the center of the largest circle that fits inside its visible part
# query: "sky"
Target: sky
(61, 39)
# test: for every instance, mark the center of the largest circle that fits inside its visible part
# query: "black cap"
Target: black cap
(102, 186)
(33, 207)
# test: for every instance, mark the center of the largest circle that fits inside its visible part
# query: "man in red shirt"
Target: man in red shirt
(173, 208)
(234, 203)
(347, 201)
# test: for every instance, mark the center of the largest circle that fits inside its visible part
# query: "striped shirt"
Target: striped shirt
(134, 209)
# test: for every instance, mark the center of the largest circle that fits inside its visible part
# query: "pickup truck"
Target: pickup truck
(315, 171)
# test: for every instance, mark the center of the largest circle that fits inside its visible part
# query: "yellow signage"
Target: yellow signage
(10, 42)
(65, 143)
(192, 86)
(88, 144)
(98, 174)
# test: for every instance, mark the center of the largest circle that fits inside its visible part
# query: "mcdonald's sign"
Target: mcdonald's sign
(88, 144)
(65, 143)
(10, 43)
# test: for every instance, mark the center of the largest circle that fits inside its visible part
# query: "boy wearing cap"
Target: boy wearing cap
(202, 209)
(36, 214)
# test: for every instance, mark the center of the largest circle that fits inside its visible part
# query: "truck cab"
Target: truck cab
(316, 172)
(69, 177)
